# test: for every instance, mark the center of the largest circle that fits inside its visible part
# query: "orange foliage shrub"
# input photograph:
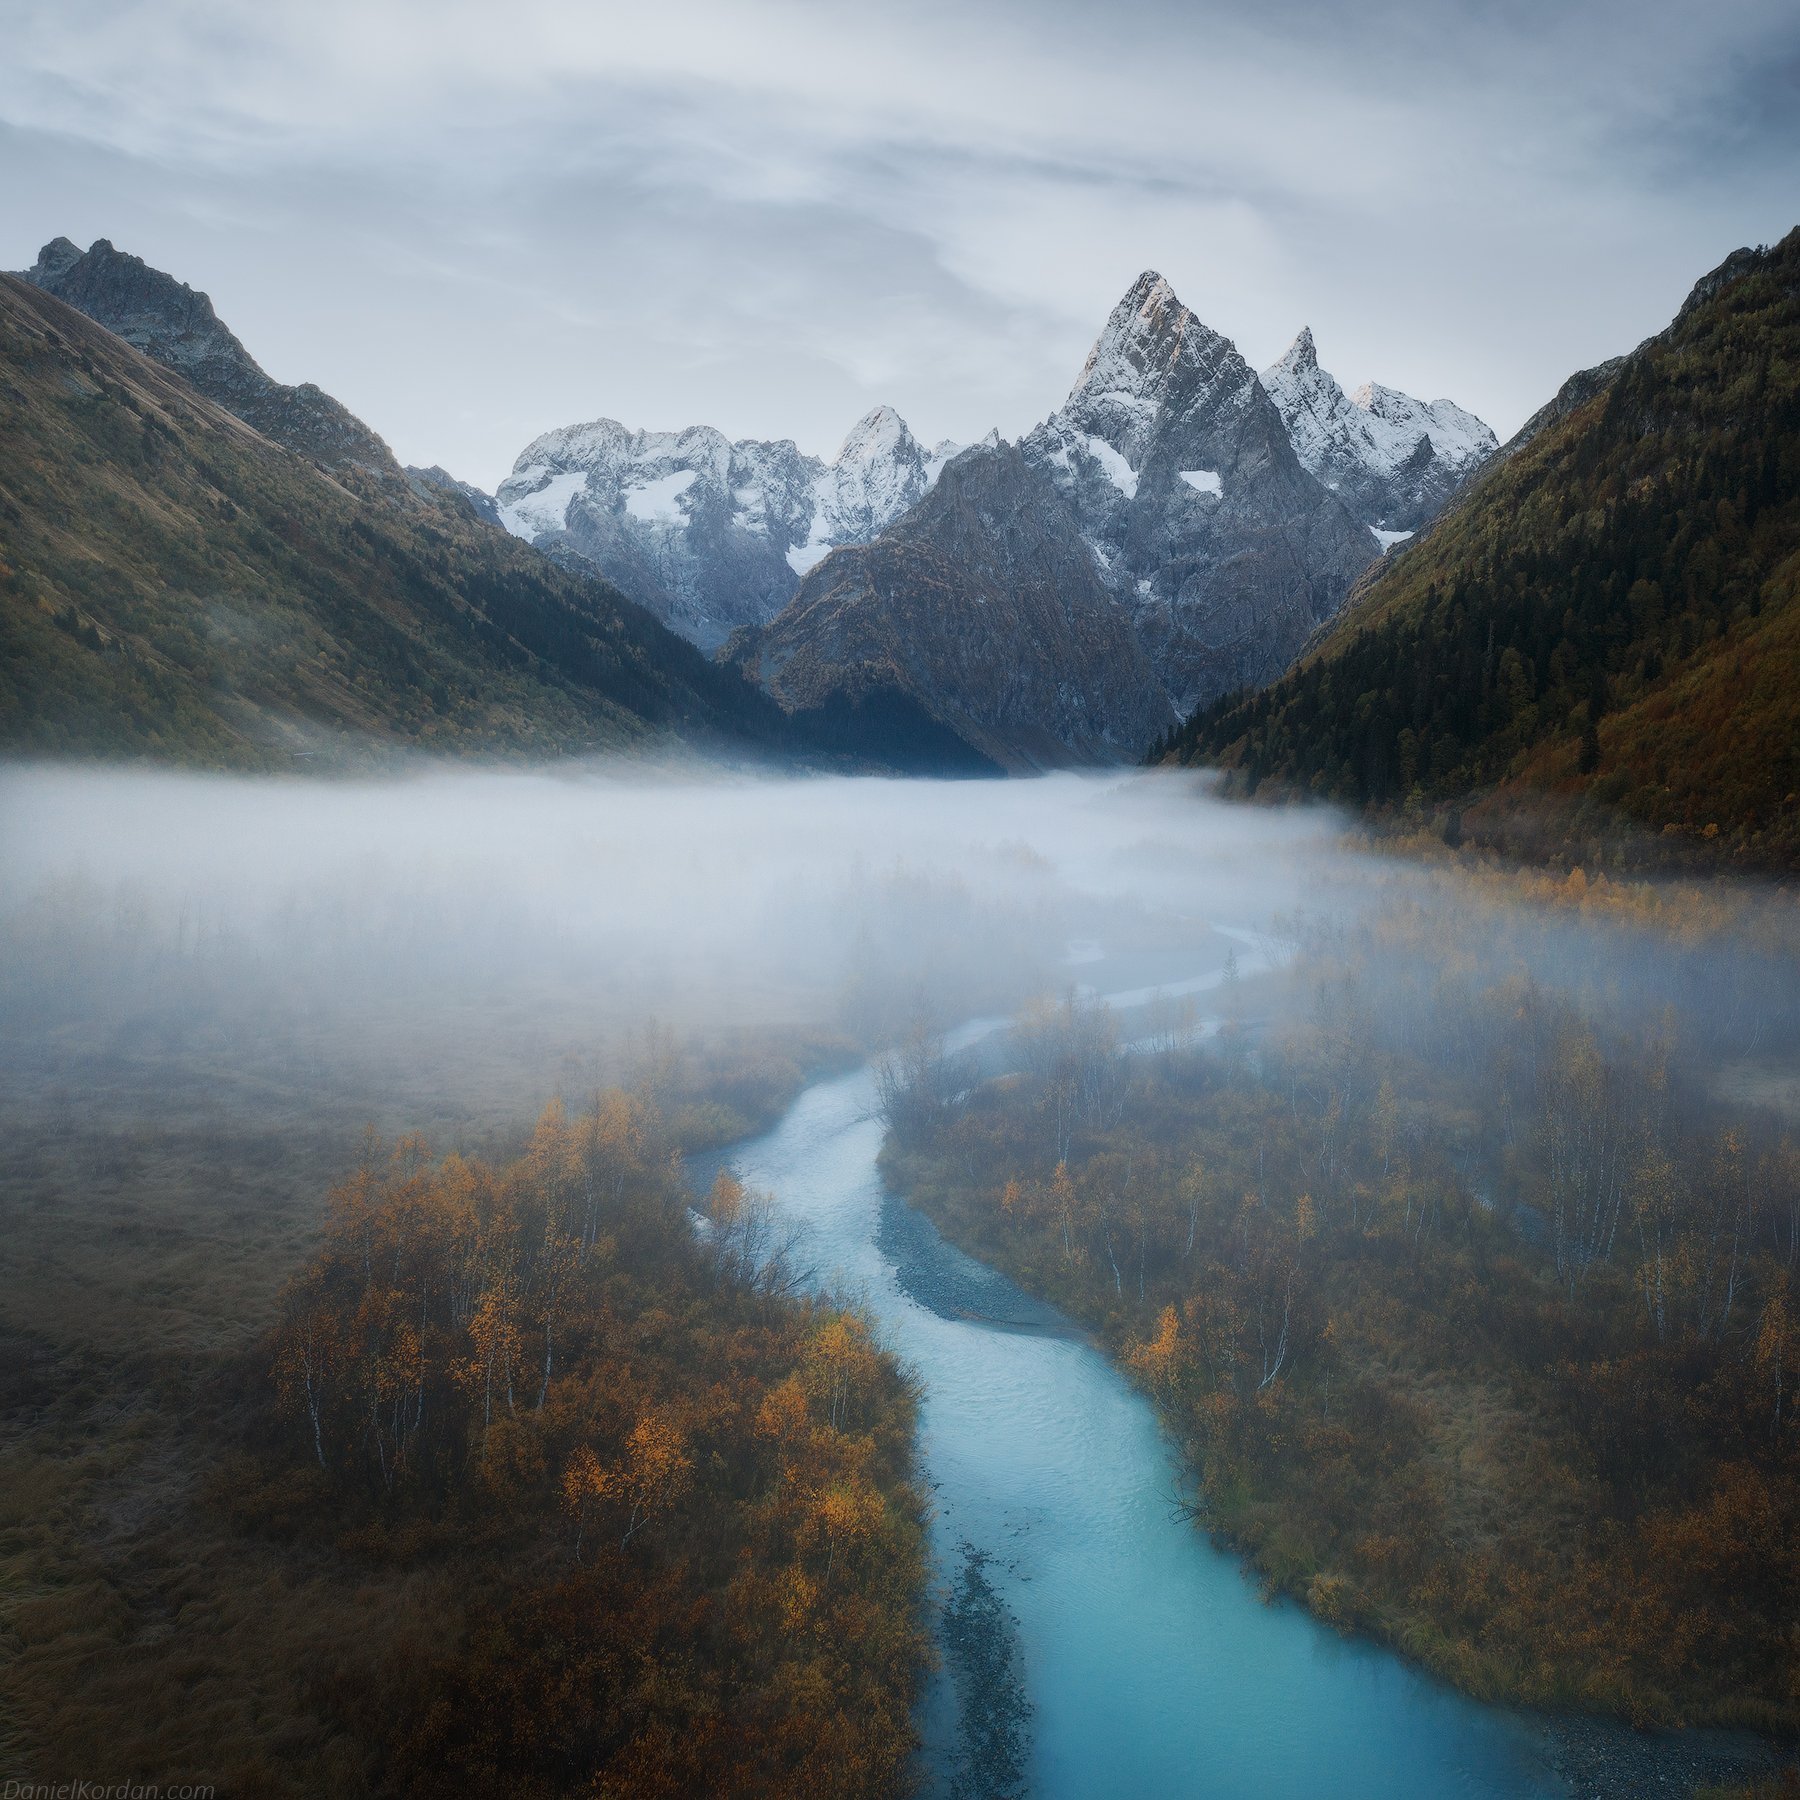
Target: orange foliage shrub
(678, 1499)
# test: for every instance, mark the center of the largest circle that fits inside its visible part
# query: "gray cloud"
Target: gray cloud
(473, 224)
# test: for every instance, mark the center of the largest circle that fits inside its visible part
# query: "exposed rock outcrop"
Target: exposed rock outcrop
(175, 325)
(984, 604)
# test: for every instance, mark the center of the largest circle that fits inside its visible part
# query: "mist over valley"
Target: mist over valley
(810, 987)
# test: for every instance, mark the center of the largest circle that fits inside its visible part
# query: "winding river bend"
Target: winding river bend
(1154, 1669)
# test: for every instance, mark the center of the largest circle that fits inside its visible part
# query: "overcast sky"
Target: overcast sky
(472, 222)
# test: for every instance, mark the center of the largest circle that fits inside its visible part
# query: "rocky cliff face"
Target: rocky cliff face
(175, 325)
(1155, 543)
(711, 535)
(1224, 552)
(1391, 459)
(984, 604)
(1224, 516)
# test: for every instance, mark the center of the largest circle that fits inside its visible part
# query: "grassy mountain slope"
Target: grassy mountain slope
(172, 584)
(1608, 621)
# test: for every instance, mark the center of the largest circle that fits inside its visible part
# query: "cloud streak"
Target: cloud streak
(474, 224)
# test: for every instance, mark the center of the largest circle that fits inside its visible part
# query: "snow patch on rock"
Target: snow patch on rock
(657, 501)
(532, 512)
(1204, 481)
(803, 558)
(1118, 471)
(1458, 437)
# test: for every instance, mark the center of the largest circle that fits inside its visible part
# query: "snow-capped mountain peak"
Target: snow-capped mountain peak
(1161, 393)
(1457, 436)
(1301, 355)
(1151, 355)
(1311, 404)
(1391, 459)
(877, 434)
(877, 475)
(711, 534)
(1177, 470)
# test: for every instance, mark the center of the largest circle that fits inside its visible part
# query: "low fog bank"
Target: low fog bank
(209, 985)
(462, 932)
(456, 930)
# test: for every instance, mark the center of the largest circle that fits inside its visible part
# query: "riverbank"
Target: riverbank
(1552, 1466)
(951, 1283)
(1147, 1662)
(1594, 1758)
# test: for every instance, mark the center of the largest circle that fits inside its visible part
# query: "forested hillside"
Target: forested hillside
(1609, 618)
(173, 585)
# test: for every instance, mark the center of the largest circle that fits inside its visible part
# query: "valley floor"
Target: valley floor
(1598, 1758)
(163, 1615)
(1342, 1249)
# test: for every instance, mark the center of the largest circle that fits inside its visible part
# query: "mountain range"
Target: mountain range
(1604, 624)
(200, 564)
(1191, 524)
(709, 534)
(1354, 595)
(1176, 529)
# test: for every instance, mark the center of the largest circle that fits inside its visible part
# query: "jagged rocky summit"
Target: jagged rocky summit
(175, 325)
(711, 535)
(1391, 459)
(1176, 469)
(1191, 549)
